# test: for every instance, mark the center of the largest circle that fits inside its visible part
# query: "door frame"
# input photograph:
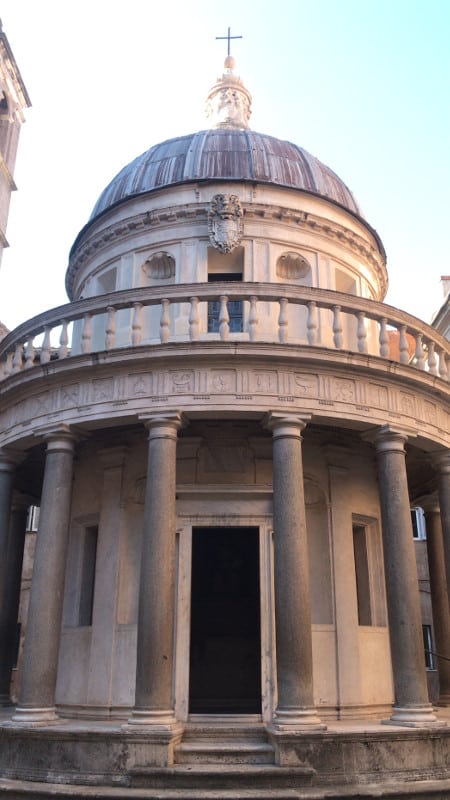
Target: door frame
(183, 611)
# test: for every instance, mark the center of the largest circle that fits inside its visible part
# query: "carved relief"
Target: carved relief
(263, 381)
(223, 381)
(305, 385)
(160, 266)
(70, 395)
(430, 413)
(343, 390)
(103, 389)
(41, 404)
(225, 224)
(407, 404)
(292, 266)
(141, 385)
(182, 382)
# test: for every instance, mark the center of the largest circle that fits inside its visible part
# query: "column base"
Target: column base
(156, 733)
(35, 717)
(298, 719)
(414, 717)
(153, 720)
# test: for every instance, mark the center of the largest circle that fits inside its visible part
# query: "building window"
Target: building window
(368, 573)
(428, 646)
(33, 518)
(418, 523)
(234, 306)
(89, 558)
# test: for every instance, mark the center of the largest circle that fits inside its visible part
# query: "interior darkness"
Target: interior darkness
(225, 662)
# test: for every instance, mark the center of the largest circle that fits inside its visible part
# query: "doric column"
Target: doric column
(154, 703)
(295, 708)
(7, 468)
(412, 707)
(104, 614)
(439, 599)
(9, 605)
(42, 637)
(442, 464)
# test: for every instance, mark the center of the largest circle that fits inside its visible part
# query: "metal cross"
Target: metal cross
(229, 37)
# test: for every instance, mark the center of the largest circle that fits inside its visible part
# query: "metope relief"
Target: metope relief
(223, 381)
(343, 390)
(70, 395)
(103, 389)
(305, 385)
(141, 385)
(182, 381)
(264, 381)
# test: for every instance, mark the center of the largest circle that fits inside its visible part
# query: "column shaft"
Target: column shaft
(39, 672)
(439, 602)
(7, 467)
(9, 606)
(154, 703)
(412, 706)
(295, 707)
(443, 470)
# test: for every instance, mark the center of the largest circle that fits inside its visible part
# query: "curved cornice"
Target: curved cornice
(122, 230)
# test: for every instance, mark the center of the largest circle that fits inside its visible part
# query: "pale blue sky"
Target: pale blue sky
(364, 86)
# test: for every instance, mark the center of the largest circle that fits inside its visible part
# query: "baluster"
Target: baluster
(224, 319)
(136, 325)
(283, 320)
(63, 341)
(337, 328)
(164, 331)
(311, 324)
(110, 332)
(17, 363)
(384, 338)
(432, 360)
(403, 345)
(29, 353)
(253, 319)
(443, 371)
(194, 320)
(418, 353)
(86, 336)
(361, 332)
(46, 346)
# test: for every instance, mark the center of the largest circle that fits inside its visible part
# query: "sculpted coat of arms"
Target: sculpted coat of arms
(225, 223)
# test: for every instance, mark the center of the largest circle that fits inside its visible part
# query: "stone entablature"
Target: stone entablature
(250, 381)
(274, 216)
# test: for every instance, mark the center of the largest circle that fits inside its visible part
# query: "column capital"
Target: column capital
(59, 436)
(164, 424)
(286, 425)
(390, 438)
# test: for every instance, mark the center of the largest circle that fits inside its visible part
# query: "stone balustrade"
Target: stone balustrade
(329, 319)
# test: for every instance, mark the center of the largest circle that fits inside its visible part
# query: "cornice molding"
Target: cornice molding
(124, 229)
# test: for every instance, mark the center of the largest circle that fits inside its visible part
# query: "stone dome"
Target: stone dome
(225, 154)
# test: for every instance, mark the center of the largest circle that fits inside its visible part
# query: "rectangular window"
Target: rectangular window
(418, 524)
(234, 306)
(89, 558)
(33, 518)
(428, 646)
(369, 574)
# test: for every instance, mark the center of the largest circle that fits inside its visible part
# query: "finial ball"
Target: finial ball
(229, 62)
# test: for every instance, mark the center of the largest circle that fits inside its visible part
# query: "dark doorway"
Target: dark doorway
(225, 661)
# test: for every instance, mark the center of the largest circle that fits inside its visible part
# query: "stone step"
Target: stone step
(219, 777)
(224, 751)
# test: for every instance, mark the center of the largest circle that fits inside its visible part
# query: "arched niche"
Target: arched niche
(293, 267)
